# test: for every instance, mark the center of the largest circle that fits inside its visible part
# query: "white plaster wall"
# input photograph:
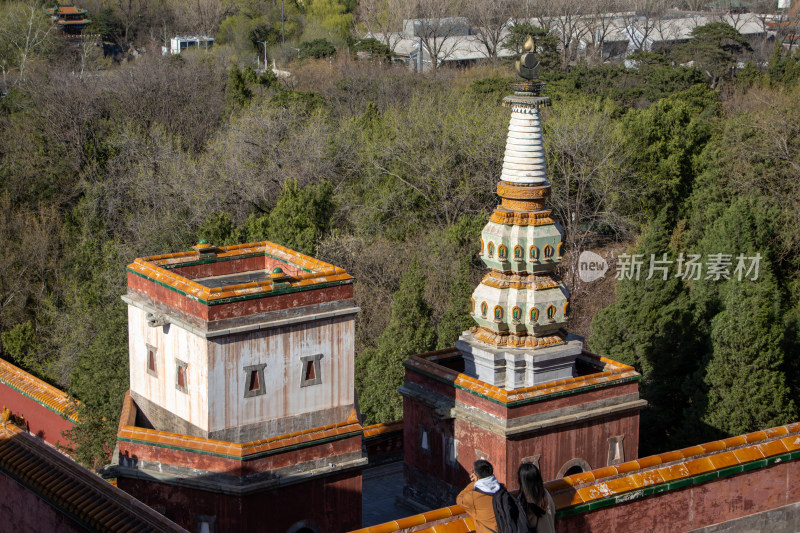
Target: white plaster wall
(281, 350)
(172, 343)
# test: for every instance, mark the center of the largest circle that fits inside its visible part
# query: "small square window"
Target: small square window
(152, 360)
(254, 381)
(311, 372)
(181, 376)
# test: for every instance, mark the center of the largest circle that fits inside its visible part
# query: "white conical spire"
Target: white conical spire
(524, 161)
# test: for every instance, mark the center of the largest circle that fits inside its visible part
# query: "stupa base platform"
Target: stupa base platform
(514, 368)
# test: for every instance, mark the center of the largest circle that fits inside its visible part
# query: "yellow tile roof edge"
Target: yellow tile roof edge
(242, 450)
(675, 469)
(612, 371)
(379, 429)
(153, 267)
(37, 390)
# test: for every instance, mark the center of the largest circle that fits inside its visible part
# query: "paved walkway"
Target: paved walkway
(380, 487)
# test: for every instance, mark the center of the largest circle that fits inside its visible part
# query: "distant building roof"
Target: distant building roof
(71, 489)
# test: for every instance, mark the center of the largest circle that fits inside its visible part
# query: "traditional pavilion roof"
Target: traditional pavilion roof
(635, 479)
(221, 275)
(71, 489)
(37, 390)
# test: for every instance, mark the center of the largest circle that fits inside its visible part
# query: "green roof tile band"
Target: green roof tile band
(527, 400)
(249, 456)
(626, 497)
(265, 294)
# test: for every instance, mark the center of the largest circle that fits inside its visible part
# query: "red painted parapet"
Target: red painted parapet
(47, 411)
(709, 483)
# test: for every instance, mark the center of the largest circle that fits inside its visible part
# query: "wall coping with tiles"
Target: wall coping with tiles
(160, 270)
(623, 483)
(128, 431)
(377, 430)
(610, 373)
(37, 390)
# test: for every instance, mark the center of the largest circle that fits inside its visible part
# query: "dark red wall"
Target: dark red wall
(237, 467)
(21, 511)
(332, 503)
(556, 446)
(40, 420)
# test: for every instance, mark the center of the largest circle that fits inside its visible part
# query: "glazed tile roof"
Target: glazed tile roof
(636, 479)
(158, 268)
(73, 490)
(609, 372)
(376, 430)
(127, 431)
(37, 390)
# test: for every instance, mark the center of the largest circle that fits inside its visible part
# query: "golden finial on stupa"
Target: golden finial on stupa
(527, 64)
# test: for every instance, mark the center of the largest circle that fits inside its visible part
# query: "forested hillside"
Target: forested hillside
(391, 175)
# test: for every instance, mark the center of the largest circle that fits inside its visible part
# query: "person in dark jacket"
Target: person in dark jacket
(534, 499)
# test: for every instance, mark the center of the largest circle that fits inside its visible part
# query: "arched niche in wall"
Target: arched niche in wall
(572, 467)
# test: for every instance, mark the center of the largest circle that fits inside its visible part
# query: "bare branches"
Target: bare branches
(489, 20)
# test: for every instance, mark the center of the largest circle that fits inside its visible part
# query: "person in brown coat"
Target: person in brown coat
(476, 498)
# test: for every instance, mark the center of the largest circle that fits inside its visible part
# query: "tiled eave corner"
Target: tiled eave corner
(37, 390)
(610, 373)
(318, 274)
(636, 479)
(128, 432)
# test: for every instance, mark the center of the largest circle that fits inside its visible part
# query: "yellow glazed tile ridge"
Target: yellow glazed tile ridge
(40, 391)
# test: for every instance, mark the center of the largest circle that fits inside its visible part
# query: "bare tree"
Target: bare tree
(200, 16)
(25, 32)
(383, 20)
(641, 21)
(589, 164)
(436, 28)
(597, 23)
(490, 20)
(565, 18)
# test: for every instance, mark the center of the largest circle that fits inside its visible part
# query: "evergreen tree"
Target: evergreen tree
(301, 216)
(666, 139)
(379, 371)
(745, 380)
(237, 93)
(651, 327)
(715, 49)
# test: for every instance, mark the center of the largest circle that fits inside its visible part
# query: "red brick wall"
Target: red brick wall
(697, 505)
(332, 503)
(556, 446)
(22, 511)
(40, 420)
